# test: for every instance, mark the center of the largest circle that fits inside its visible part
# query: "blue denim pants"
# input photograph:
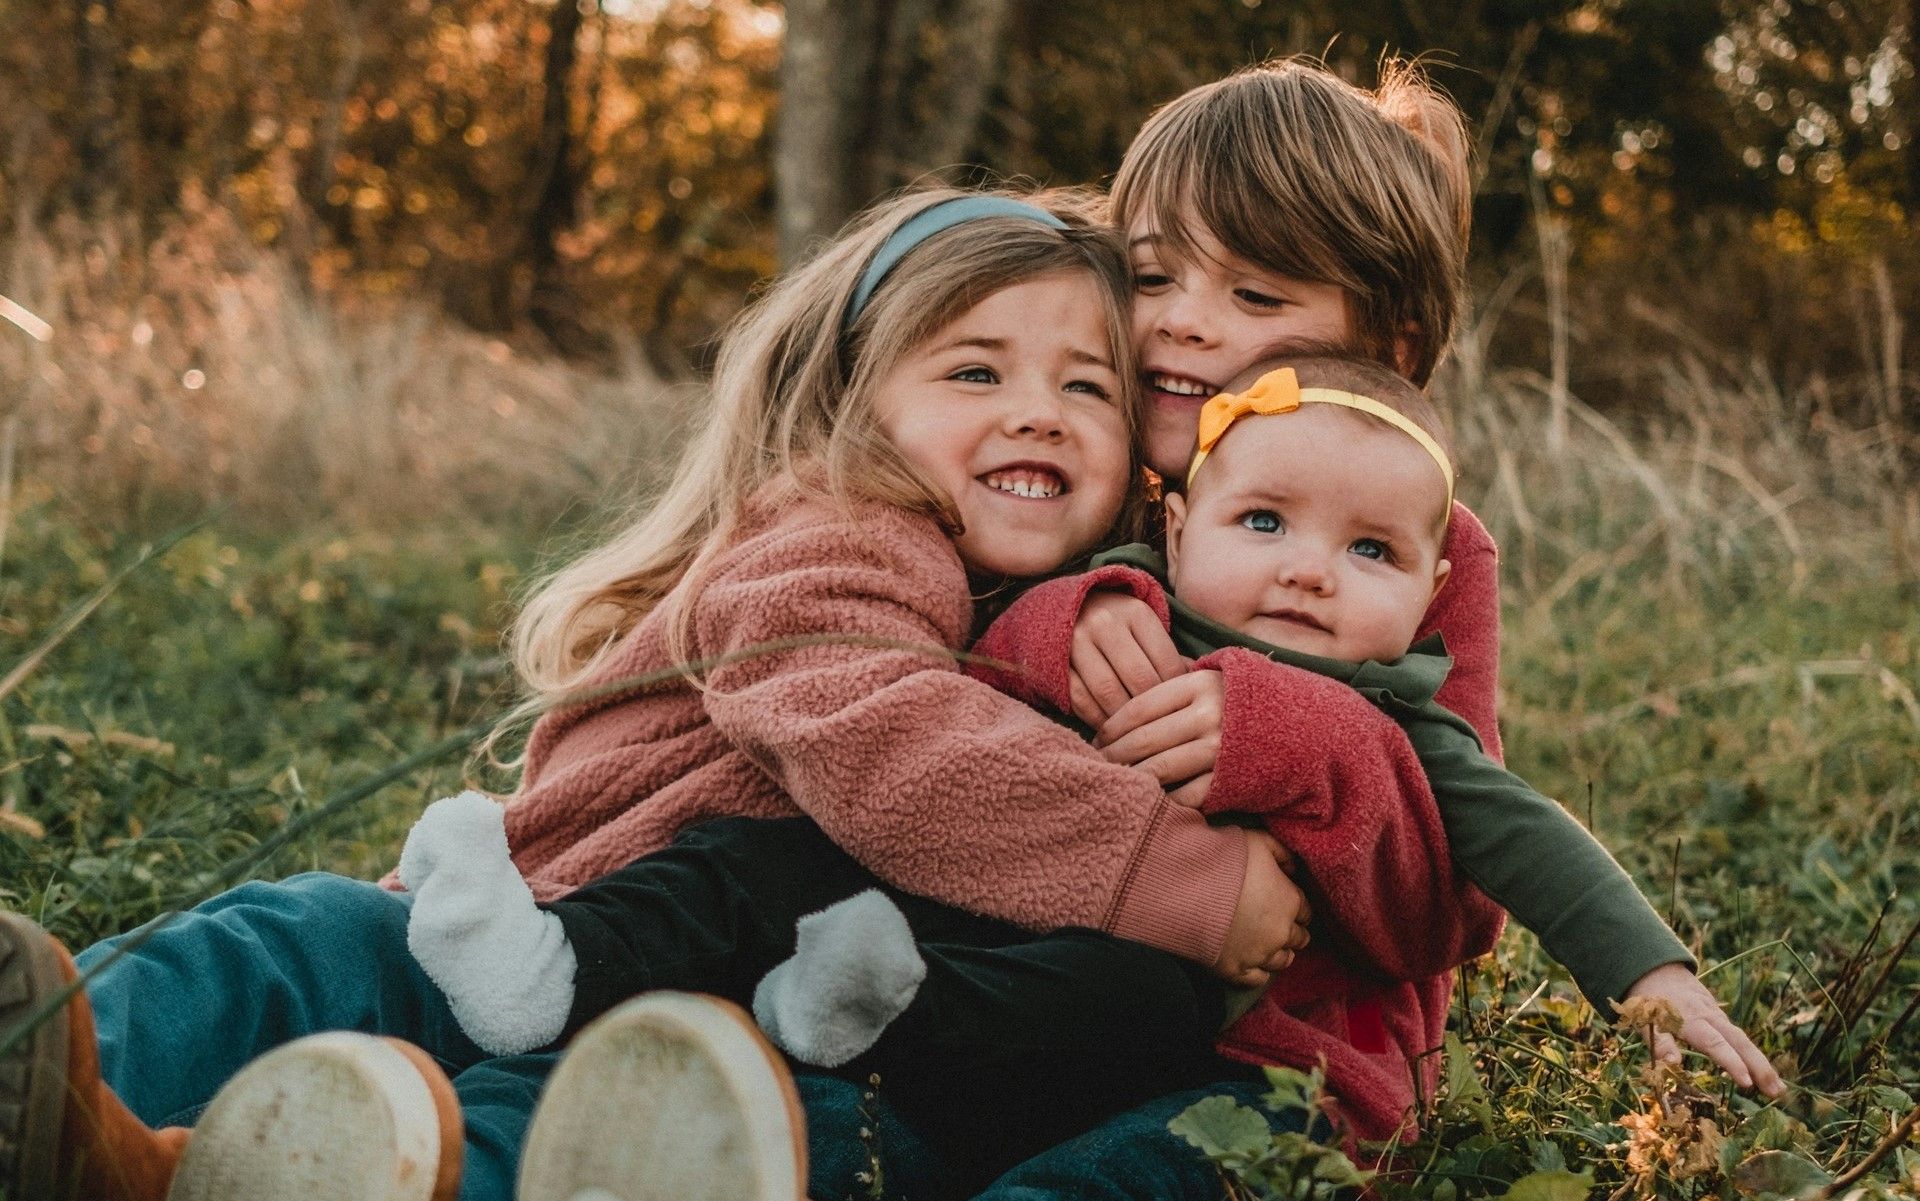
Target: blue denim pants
(184, 1010)
(1132, 1157)
(264, 964)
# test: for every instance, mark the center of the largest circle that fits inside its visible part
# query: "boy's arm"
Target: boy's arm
(1529, 854)
(1337, 783)
(1536, 862)
(932, 780)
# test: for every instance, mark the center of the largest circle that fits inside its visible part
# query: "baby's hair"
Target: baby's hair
(792, 406)
(1304, 174)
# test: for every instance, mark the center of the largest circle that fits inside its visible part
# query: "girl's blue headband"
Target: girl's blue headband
(926, 223)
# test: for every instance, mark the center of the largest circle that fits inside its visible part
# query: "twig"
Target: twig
(1888, 1145)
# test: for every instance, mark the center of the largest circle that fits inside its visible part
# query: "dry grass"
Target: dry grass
(199, 368)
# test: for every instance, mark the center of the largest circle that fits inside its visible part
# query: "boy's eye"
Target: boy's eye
(975, 375)
(1151, 279)
(1263, 521)
(1373, 548)
(1259, 300)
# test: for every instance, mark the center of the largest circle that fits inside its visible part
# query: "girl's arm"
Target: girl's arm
(1337, 783)
(934, 781)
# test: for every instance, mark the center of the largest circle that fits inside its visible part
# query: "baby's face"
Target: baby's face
(1317, 531)
(1200, 320)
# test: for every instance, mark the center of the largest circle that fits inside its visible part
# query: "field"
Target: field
(1712, 613)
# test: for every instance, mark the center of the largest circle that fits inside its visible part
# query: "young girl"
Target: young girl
(940, 400)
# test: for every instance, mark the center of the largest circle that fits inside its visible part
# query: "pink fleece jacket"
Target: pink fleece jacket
(1337, 783)
(935, 781)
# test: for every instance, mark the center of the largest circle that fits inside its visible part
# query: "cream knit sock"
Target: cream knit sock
(504, 964)
(855, 969)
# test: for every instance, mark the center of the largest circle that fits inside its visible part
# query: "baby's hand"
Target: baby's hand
(1705, 1028)
(1270, 921)
(1171, 731)
(1120, 650)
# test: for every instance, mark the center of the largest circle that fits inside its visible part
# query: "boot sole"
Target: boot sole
(330, 1117)
(670, 1097)
(33, 1069)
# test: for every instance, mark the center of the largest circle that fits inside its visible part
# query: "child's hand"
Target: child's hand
(1171, 731)
(1706, 1029)
(1270, 922)
(1120, 650)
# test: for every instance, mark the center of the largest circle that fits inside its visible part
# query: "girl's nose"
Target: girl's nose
(1037, 413)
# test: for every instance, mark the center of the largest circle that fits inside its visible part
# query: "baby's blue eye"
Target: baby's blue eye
(1263, 521)
(1372, 548)
(975, 375)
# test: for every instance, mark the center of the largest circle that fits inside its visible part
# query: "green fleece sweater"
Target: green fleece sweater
(1520, 848)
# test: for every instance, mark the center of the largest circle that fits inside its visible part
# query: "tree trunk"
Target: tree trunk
(554, 309)
(969, 59)
(875, 94)
(102, 143)
(826, 94)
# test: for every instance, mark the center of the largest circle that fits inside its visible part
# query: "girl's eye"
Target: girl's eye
(1148, 280)
(975, 375)
(1263, 521)
(1090, 387)
(1259, 300)
(1372, 548)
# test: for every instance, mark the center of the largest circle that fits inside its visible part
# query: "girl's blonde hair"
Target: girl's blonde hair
(792, 406)
(1300, 172)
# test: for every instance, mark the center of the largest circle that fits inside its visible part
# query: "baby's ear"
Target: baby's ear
(1441, 570)
(1176, 506)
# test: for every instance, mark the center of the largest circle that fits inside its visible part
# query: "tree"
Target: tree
(873, 94)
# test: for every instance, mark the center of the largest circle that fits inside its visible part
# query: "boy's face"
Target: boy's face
(1013, 411)
(1315, 530)
(1201, 320)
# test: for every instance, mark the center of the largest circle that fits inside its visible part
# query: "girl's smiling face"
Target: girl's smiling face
(1013, 411)
(1200, 317)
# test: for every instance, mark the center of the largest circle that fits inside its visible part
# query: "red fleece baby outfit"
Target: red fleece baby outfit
(1335, 781)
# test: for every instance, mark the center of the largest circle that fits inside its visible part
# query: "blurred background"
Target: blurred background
(261, 230)
(403, 298)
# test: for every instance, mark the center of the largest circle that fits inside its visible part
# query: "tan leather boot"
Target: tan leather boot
(67, 1134)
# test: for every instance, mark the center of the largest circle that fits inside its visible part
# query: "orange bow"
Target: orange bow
(1274, 392)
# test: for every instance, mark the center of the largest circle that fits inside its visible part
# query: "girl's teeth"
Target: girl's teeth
(1024, 483)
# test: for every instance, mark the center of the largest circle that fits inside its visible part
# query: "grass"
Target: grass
(1712, 617)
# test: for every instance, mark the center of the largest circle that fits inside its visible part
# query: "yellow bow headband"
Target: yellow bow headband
(1279, 391)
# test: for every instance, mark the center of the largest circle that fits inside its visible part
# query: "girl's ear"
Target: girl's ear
(1441, 570)
(1176, 506)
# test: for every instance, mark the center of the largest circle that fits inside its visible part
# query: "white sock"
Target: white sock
(504, 964)
(854, 970)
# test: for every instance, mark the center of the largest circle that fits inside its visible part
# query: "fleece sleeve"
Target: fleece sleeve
(934, 781)
(1027, 652)
(1337, 783)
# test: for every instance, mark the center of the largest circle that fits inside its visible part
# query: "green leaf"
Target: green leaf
(1773, 1174)
(1551, 1186)
(1547, 1156)
(1292, 1089)
(1222, 1128)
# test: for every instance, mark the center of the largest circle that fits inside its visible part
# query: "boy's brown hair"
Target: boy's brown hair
(1300, 172)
